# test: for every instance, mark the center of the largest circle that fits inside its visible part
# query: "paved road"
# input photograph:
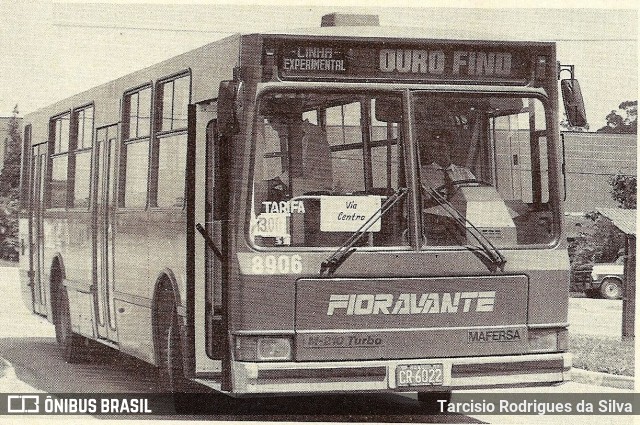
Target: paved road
(32, 351)
(38, 362)
(28, 343)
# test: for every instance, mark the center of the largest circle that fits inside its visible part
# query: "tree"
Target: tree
(9, 190)
(624, 191)
(602, 242)
(10, 173)
(631, 109)
(9, 226)
(618, 124)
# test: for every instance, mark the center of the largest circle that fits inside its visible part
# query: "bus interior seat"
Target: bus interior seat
(311, 175)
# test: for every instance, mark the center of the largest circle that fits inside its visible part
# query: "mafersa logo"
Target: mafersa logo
(494, 335)
(426, 303)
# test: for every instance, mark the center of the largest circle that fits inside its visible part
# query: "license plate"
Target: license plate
(419, 374)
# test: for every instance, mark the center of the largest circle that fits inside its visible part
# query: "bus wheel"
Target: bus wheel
(611, 289)
(74, 346)
(429, 401)
(175, 369)
(172, 379)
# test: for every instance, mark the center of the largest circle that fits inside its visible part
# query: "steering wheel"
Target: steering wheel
(448, 189)
(469, 182)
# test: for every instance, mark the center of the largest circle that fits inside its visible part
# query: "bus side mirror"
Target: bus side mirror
(573, 103)
(227, 107)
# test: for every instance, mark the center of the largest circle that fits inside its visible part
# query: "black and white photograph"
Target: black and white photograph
(305, 211)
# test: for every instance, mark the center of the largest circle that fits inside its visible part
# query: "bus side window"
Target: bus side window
(170, 144)
(135, 162)
(135, 148)
(172, 162)
(25, 173)
(82, 122)
(59, 135)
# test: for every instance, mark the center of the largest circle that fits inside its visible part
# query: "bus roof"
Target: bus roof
(355, 33)
(408, 33)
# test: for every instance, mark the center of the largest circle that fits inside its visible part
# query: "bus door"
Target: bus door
(213, 264)
(105, 165)
(36, 256)
(207, 305)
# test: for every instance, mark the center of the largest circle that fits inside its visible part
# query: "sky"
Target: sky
(51, 50)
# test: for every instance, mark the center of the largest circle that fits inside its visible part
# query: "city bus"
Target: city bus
(348, 208)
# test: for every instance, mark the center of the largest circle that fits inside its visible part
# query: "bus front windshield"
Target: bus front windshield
(326, 162)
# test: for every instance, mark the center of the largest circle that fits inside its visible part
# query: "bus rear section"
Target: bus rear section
(403, 235)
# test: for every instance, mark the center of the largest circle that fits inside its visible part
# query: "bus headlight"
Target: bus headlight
(263, 348)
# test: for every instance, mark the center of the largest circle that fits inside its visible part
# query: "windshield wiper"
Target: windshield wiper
(331, 264)
(486, 252)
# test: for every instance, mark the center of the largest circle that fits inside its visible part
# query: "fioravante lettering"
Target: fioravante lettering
(494, 335)
(426, 303)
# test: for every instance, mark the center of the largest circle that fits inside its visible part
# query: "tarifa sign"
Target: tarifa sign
(424, 61)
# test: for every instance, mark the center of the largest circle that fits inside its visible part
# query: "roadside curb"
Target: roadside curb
(602, 379)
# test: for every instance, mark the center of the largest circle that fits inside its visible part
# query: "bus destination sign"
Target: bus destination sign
(302, 59)
(438, 62)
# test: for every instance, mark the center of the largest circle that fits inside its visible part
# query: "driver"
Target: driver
(437, 169)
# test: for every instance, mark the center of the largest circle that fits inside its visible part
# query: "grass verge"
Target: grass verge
(601, 354)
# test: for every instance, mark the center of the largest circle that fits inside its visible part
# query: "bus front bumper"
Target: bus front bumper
(381, 375)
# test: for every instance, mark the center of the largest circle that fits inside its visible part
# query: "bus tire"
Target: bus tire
(171, 377)
(74, 347)
(611, 289)
(429, 401)
(178, 384)
(175, 367)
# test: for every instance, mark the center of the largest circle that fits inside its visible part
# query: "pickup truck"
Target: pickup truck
(607, 279)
